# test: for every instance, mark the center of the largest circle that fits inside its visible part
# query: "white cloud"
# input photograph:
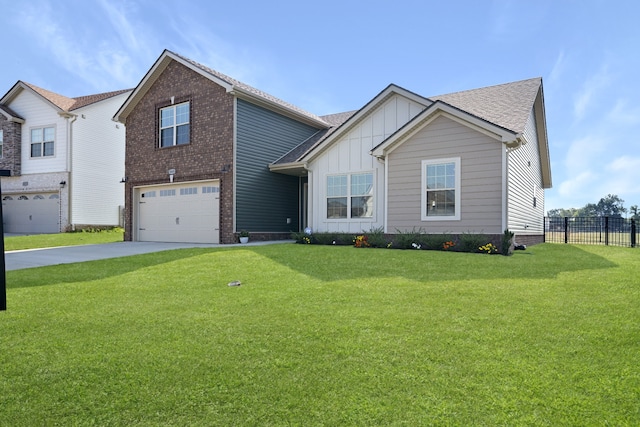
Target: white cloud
(558, 68)
(624, 114)
(589, 92)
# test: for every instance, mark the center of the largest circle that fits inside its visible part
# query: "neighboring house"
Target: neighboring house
(208, 156)
(65, 157)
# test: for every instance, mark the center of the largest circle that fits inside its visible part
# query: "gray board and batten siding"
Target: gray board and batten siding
(264, 200)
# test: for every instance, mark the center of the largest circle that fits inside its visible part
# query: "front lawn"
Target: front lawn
(325, 335)
(33, 241)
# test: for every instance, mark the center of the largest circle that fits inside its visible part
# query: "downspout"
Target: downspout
(71, 118)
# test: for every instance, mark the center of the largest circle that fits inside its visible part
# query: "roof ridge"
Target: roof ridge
(83, 101)
(486, 87)
(60, 101)
(66, 103)
(246, 87)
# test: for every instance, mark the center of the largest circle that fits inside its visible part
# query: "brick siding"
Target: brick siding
(12, 146)
(209, 151)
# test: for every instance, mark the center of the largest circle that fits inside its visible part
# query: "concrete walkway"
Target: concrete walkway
(16, 260)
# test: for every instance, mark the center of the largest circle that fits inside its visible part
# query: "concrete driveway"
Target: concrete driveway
(16, 260)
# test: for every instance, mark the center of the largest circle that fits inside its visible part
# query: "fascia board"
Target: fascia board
(17, 89)
(543, 142)
(280, 109)
(434, 111)
(152, 75)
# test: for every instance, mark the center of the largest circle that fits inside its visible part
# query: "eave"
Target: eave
(295, 168)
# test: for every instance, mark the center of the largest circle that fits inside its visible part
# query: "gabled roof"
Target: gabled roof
(60, 102)
(507, 105)
(231, 85)
(341, 124)
(503, 108)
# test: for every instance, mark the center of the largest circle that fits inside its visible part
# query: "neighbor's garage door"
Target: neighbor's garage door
(179, 212)
(31, 213)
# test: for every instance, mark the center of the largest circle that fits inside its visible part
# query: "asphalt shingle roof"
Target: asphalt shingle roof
(70, 104)
(507, 105)
(248, 88)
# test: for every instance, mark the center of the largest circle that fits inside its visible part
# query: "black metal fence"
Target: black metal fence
(592, 231)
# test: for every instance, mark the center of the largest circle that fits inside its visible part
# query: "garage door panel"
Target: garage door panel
(31, 213)
(179, 213)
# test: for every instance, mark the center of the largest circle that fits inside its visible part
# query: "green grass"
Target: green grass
(324, 335)
(34, 241)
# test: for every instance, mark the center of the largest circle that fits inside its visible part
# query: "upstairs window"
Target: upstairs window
(350, 196)
(42, 142)
(441, 189)
(174, 125)
(1, 143)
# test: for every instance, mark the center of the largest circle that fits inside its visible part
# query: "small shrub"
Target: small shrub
(437, 242)
(471, 242)
(333, 238)
(407, 239)
(506, 242)
(376, 238)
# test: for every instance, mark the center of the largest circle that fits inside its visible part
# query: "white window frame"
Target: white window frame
(1, 144)
(174, 125)
(456, 188)
(43, 142)
(350, 196)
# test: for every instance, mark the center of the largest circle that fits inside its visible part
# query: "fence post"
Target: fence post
(566, 229)
(633, 233)
(606, 230)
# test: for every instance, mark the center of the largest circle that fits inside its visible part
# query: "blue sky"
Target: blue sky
(334, 56)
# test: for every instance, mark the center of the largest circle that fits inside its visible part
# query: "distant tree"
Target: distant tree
(634, 211)
(589, 209)
(612, 206)
(561, 213)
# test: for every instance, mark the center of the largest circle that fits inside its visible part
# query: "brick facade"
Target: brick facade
(12, 146)
(209, 155)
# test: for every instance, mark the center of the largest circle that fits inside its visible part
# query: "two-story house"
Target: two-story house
(208, 156)
(65, 158)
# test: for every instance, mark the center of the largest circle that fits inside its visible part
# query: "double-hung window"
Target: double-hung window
(1, 143)
(441, 189)
(350, 196)
(174, 125)
(42, 142)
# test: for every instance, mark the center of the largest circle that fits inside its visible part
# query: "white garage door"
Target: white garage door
(186, 212)
(31, 213)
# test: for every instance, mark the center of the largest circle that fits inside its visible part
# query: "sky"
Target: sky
(335, 55)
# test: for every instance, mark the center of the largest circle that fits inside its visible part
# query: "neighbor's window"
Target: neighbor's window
(42, 142)
(174, 125)
(350, 196)
(441, 189)
(1, 143)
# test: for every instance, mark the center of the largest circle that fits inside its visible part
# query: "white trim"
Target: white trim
(423, 196)
(362, 114)
(505, 188)
(136, 191)
(431, 113)
(385, 208)
(349, 196)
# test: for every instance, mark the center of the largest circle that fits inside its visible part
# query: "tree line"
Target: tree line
(611, 206)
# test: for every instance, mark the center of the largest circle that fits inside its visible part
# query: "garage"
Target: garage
(185, 212)
(31, 213)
